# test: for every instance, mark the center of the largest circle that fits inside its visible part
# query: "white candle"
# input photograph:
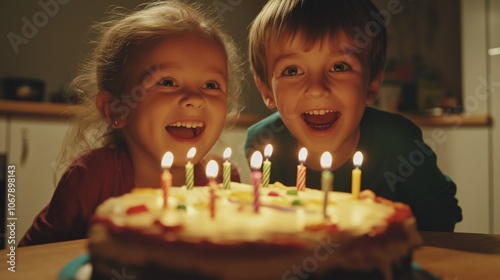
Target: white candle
(190, 168)
(166, 178)
(301, 170)
(266, 169)
(212, 170)
(326, 179)
(356, 174)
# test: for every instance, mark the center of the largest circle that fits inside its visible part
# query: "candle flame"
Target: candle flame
(357, 159)
(227, 153)
(167, 160)
(302, 154)
(191, 153)
(268, 150)
(326, 160)
(212, 169)
(256, 160)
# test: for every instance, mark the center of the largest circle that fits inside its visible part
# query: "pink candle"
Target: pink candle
(256, 178)
(301, 170)
(326, 179)
(211, 171)
(166, 178)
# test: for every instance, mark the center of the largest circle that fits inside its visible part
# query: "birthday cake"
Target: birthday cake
(289, 234)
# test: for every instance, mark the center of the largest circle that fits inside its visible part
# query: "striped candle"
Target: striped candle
(166, 178)
(226, 169)
(211, 170)
(301, 170)
(190, 168)
(256, 178)
(266, 169)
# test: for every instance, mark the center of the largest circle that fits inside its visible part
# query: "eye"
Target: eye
(292, 71)
(167, 82)
(340, 67)
(211, 85)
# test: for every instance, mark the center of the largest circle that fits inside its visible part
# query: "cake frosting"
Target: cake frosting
(289, 238)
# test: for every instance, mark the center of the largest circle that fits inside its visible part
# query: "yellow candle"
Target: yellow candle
(166, 178)
(190, 168)
(226, 169)
(266, 169)
(326, 179)
(356, 175)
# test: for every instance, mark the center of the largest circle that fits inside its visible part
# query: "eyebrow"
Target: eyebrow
(351, 52)
(153, 69)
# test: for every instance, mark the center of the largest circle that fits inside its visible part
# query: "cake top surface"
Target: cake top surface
(283, 211)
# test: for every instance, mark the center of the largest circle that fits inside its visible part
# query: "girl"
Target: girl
(161, 79)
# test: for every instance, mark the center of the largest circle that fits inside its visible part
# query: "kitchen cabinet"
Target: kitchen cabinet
(462, 154)
(481, 88)
(32, 145)
(494, 90)
(3, 182)
(3, 132)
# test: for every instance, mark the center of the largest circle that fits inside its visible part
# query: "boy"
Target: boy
(319, 63)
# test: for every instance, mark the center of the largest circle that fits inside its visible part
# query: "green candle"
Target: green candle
(266, 169)
(226, 169)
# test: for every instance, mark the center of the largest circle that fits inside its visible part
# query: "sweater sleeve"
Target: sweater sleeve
(421, 184)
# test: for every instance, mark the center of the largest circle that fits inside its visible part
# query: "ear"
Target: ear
(373, 89)
(104, 104)
(265, 92)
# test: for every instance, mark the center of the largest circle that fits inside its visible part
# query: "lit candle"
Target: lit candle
(301, 170)
(356, 174)
(166, 178)
(266, 169)
(211, 171)
(226, 169)
(256, 177)
(190, 168)
(326, 178)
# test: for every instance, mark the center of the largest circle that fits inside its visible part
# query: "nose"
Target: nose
(193, 101)
(317, 87)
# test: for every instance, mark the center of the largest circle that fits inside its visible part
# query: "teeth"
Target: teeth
(187, 124)
(318, 112)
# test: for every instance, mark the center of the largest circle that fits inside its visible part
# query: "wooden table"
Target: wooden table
(458, 256)
(452, 256)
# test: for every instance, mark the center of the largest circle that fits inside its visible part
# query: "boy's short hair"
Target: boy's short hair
(281, 20)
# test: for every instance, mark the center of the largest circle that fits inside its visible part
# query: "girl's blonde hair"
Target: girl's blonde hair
(119, 35)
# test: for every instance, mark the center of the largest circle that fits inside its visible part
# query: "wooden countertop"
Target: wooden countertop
(447, 255)
(60, 110)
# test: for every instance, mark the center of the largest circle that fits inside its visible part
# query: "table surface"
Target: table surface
(448, 255)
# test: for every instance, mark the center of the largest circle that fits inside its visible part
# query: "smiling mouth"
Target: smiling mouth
(186, 130)
(320, 120)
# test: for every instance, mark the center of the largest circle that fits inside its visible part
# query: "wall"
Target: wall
(53, 49)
